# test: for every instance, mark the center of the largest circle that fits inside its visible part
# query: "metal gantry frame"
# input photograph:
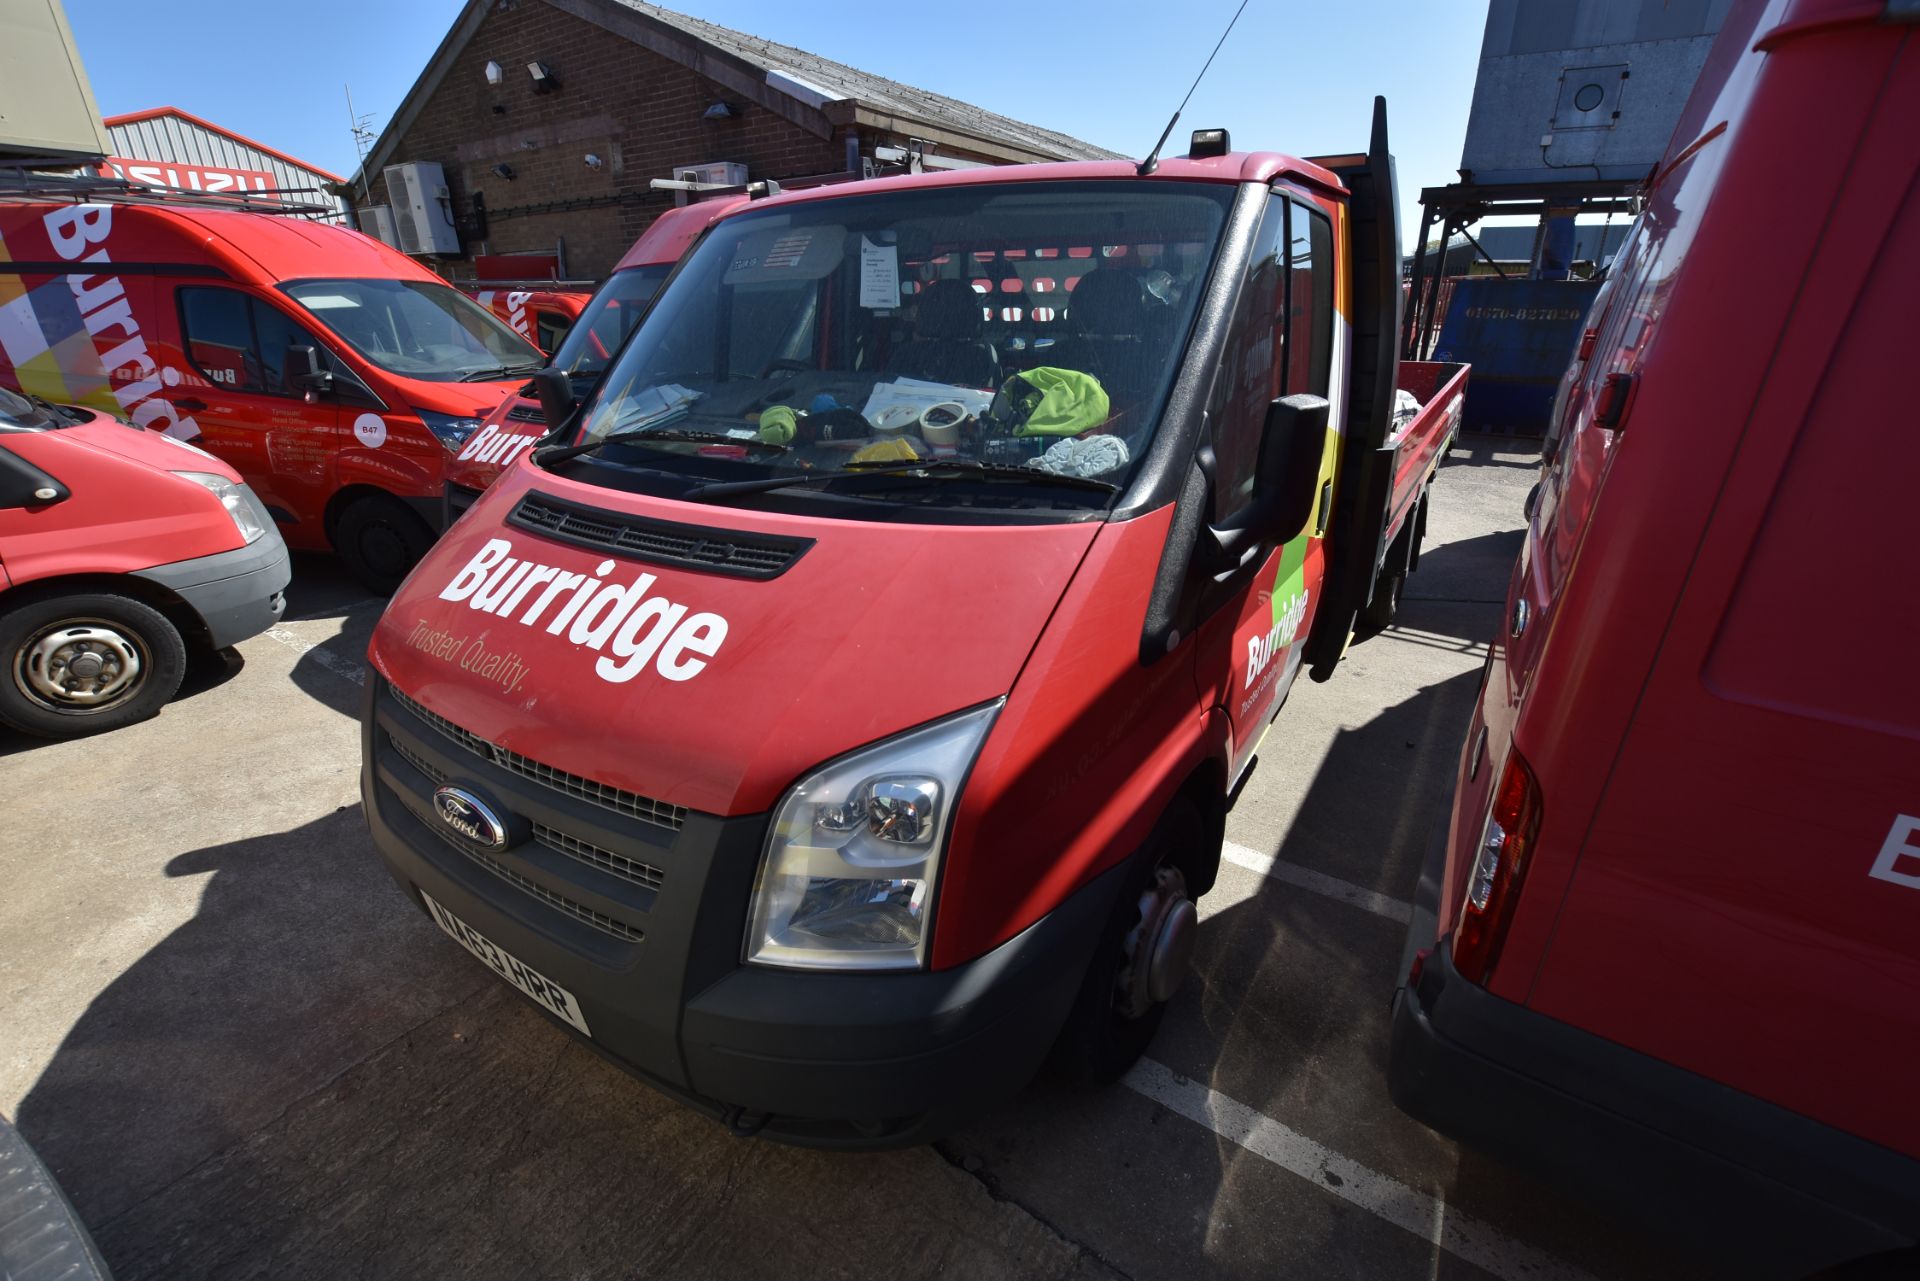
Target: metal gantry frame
(1461, 205)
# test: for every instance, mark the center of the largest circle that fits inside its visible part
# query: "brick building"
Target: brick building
(626, 93)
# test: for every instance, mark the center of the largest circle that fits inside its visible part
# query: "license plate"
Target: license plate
(549, 994)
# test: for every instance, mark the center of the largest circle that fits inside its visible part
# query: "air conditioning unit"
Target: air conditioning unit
(422, 208)
(377, 221)
(718, 173)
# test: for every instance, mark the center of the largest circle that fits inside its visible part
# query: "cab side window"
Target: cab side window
(551, 329)
(1282, 345)
(1309, 301)
(1251, 375)
(240, 343)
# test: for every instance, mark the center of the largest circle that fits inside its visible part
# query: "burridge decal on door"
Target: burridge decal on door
(75, 340)
(638, 626)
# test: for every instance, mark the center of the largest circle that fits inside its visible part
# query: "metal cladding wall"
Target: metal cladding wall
(168, 139)
(1583, 90)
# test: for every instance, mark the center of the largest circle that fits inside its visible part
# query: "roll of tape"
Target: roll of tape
(940, 424)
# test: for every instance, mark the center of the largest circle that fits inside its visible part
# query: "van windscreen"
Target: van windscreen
(1026, 329)
(612, 313)
(416, 329)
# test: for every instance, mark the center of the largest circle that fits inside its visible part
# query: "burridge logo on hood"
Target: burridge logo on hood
(638, 628)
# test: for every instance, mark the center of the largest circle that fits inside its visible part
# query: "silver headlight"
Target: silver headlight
(847, 879)
(248, 516)
(451, 429)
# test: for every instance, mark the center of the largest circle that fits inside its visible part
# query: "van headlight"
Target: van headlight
(248, 516)
(451, 430)
(854, 848)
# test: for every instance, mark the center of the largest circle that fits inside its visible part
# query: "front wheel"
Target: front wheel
(86, 663)
(1144, 952)
(380, 539)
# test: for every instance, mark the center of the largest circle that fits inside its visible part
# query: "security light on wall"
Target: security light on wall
(503, 171)
(543, 77)
(495, 76)
(719, 111)
(593, 161)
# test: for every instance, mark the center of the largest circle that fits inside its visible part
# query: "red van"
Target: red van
(118, 549)
(849, 714)
(540, 312)
(599, 329)
(1668, 950)
(335, 374)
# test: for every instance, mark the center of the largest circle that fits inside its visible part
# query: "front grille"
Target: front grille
(419, 762)
(578, 911)
(527, 414)
(660, 542)
(632, 804)
(627, 869)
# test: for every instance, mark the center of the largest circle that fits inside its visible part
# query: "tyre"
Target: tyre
(380, 539)
(86, 663)
(1379, 612)
(1144, 951)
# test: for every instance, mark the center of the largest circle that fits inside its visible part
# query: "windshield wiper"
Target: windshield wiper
(951, 467)
(670, 435)
(497, 371)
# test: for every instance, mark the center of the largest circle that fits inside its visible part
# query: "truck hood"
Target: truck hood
(869, 629)
(461, 400)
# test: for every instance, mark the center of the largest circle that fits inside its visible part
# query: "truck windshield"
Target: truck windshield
(611, 314)
(416, 329)
(1017, 326)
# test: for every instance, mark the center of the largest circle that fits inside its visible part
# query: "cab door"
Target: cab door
(235, 387)
(1255, 617)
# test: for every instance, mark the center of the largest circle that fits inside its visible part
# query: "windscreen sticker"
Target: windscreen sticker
(879, 276)
(641, 628)
(75, 340)
(781, 254)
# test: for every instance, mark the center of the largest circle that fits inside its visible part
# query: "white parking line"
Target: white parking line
(345, 668)
(1428, 1218)
(1318, 882)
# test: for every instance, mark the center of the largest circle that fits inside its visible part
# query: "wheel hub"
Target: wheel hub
(78, 665)
(1160, 946)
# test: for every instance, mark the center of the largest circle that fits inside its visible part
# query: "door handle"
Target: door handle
(189, 404)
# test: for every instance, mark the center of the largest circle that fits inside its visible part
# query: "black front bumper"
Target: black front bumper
(1740, 1180)
(238, 593)
(639, 912)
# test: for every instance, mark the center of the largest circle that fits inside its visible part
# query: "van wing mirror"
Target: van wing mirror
(304, 373)
(555, 391)
(1287, 475)
(1286, 483)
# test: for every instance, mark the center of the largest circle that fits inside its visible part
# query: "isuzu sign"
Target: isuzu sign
(636, 626)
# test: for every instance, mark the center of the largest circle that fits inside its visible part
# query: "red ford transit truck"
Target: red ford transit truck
(1668, 949)
(335, 374)
(848, 714)
(603, 324)
(118, 549)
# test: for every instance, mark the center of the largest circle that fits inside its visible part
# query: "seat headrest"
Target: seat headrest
(948, 309)
(1108, 303)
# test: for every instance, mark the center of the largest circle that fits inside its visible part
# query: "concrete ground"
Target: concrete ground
(245, 1054)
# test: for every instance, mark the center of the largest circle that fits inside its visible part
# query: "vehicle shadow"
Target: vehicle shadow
(306, 1079)
(1287, 1012)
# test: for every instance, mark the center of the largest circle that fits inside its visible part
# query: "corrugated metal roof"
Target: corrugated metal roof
(877, 92)
(169, 138)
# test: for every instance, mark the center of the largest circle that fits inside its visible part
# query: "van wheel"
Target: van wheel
(380, 539)
(86, 663)
(1379, 612)
(1143, 955)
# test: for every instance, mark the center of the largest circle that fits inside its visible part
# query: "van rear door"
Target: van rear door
(1744, 904)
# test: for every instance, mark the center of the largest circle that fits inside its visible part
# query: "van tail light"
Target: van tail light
(1586, 344)
(1493, 886)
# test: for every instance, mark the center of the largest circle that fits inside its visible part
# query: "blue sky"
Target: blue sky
(1294, 77)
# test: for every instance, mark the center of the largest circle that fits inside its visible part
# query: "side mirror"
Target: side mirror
(1286, 485)
(304, 374)
(555, 391)
(1287, 474)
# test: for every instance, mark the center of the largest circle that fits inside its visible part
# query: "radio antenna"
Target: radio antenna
(1152, 161)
